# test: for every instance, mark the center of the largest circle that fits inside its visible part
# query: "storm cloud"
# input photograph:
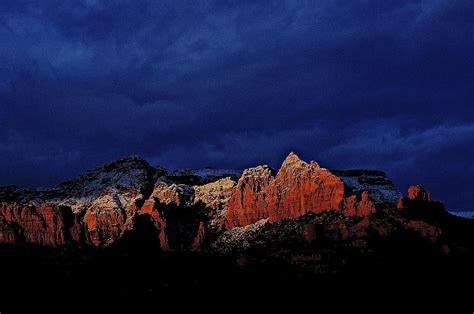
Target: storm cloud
(372, 84)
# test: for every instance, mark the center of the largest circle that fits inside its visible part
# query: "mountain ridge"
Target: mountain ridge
(191, 209)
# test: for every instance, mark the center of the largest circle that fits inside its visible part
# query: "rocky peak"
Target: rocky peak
(100, 205)
(125, 173)
(263, 172)
(104, 199)
(295, 168)
(293, 161)
(419, 204)
(168, 192)
(248, 202)
(417, 192)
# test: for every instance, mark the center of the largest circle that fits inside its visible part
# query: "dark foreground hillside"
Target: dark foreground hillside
(137, 273)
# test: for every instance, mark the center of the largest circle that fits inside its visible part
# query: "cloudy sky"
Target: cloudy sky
(352, 84)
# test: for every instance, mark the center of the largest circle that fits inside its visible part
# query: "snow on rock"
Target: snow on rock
(198, 205)
(215, 196)
(203, 176)
(168, 192)
(380, 188)
(107, 197)
(465, 214)
(127, 176)
(239, 236)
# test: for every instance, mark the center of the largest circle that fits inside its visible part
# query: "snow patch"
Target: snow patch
(380, 188)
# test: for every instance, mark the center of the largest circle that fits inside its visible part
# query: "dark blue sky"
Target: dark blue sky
(371, 84)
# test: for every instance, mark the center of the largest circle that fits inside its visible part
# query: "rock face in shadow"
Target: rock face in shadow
(362, 205)
(419, 202)
(185, 215)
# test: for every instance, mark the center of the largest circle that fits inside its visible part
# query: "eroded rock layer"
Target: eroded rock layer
(191, 209)
(298, 188)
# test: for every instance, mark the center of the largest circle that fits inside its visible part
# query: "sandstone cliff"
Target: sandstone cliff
(191, 209)
(296, 189)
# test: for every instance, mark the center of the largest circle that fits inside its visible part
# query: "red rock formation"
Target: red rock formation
(359, 205)
(45, 224)
(417, 192)
(419, 200)
(418, 206)
(149, 208)
(214, 195)
(298, 188)
(249, 200)
(109, 215)
(200, 208)
(99, 206)
(170, 193)
(106, 199)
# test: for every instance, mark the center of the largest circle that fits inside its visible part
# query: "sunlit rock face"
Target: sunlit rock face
(193, 209)
(298, 188)
(187, 215)
(45, 224)
(301, 187)
(249, 201)
(96, 208)
(417, 192)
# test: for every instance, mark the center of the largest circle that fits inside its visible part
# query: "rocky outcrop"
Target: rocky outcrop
(186, 215)
(150, 209)
(362, 205)
(419, 202)
(167, 192)
(45, 224)
(417, 192)
(424, 216)
(214, 195)
(249, 201)
(298, 188)
(191, 209)
(100, 205)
